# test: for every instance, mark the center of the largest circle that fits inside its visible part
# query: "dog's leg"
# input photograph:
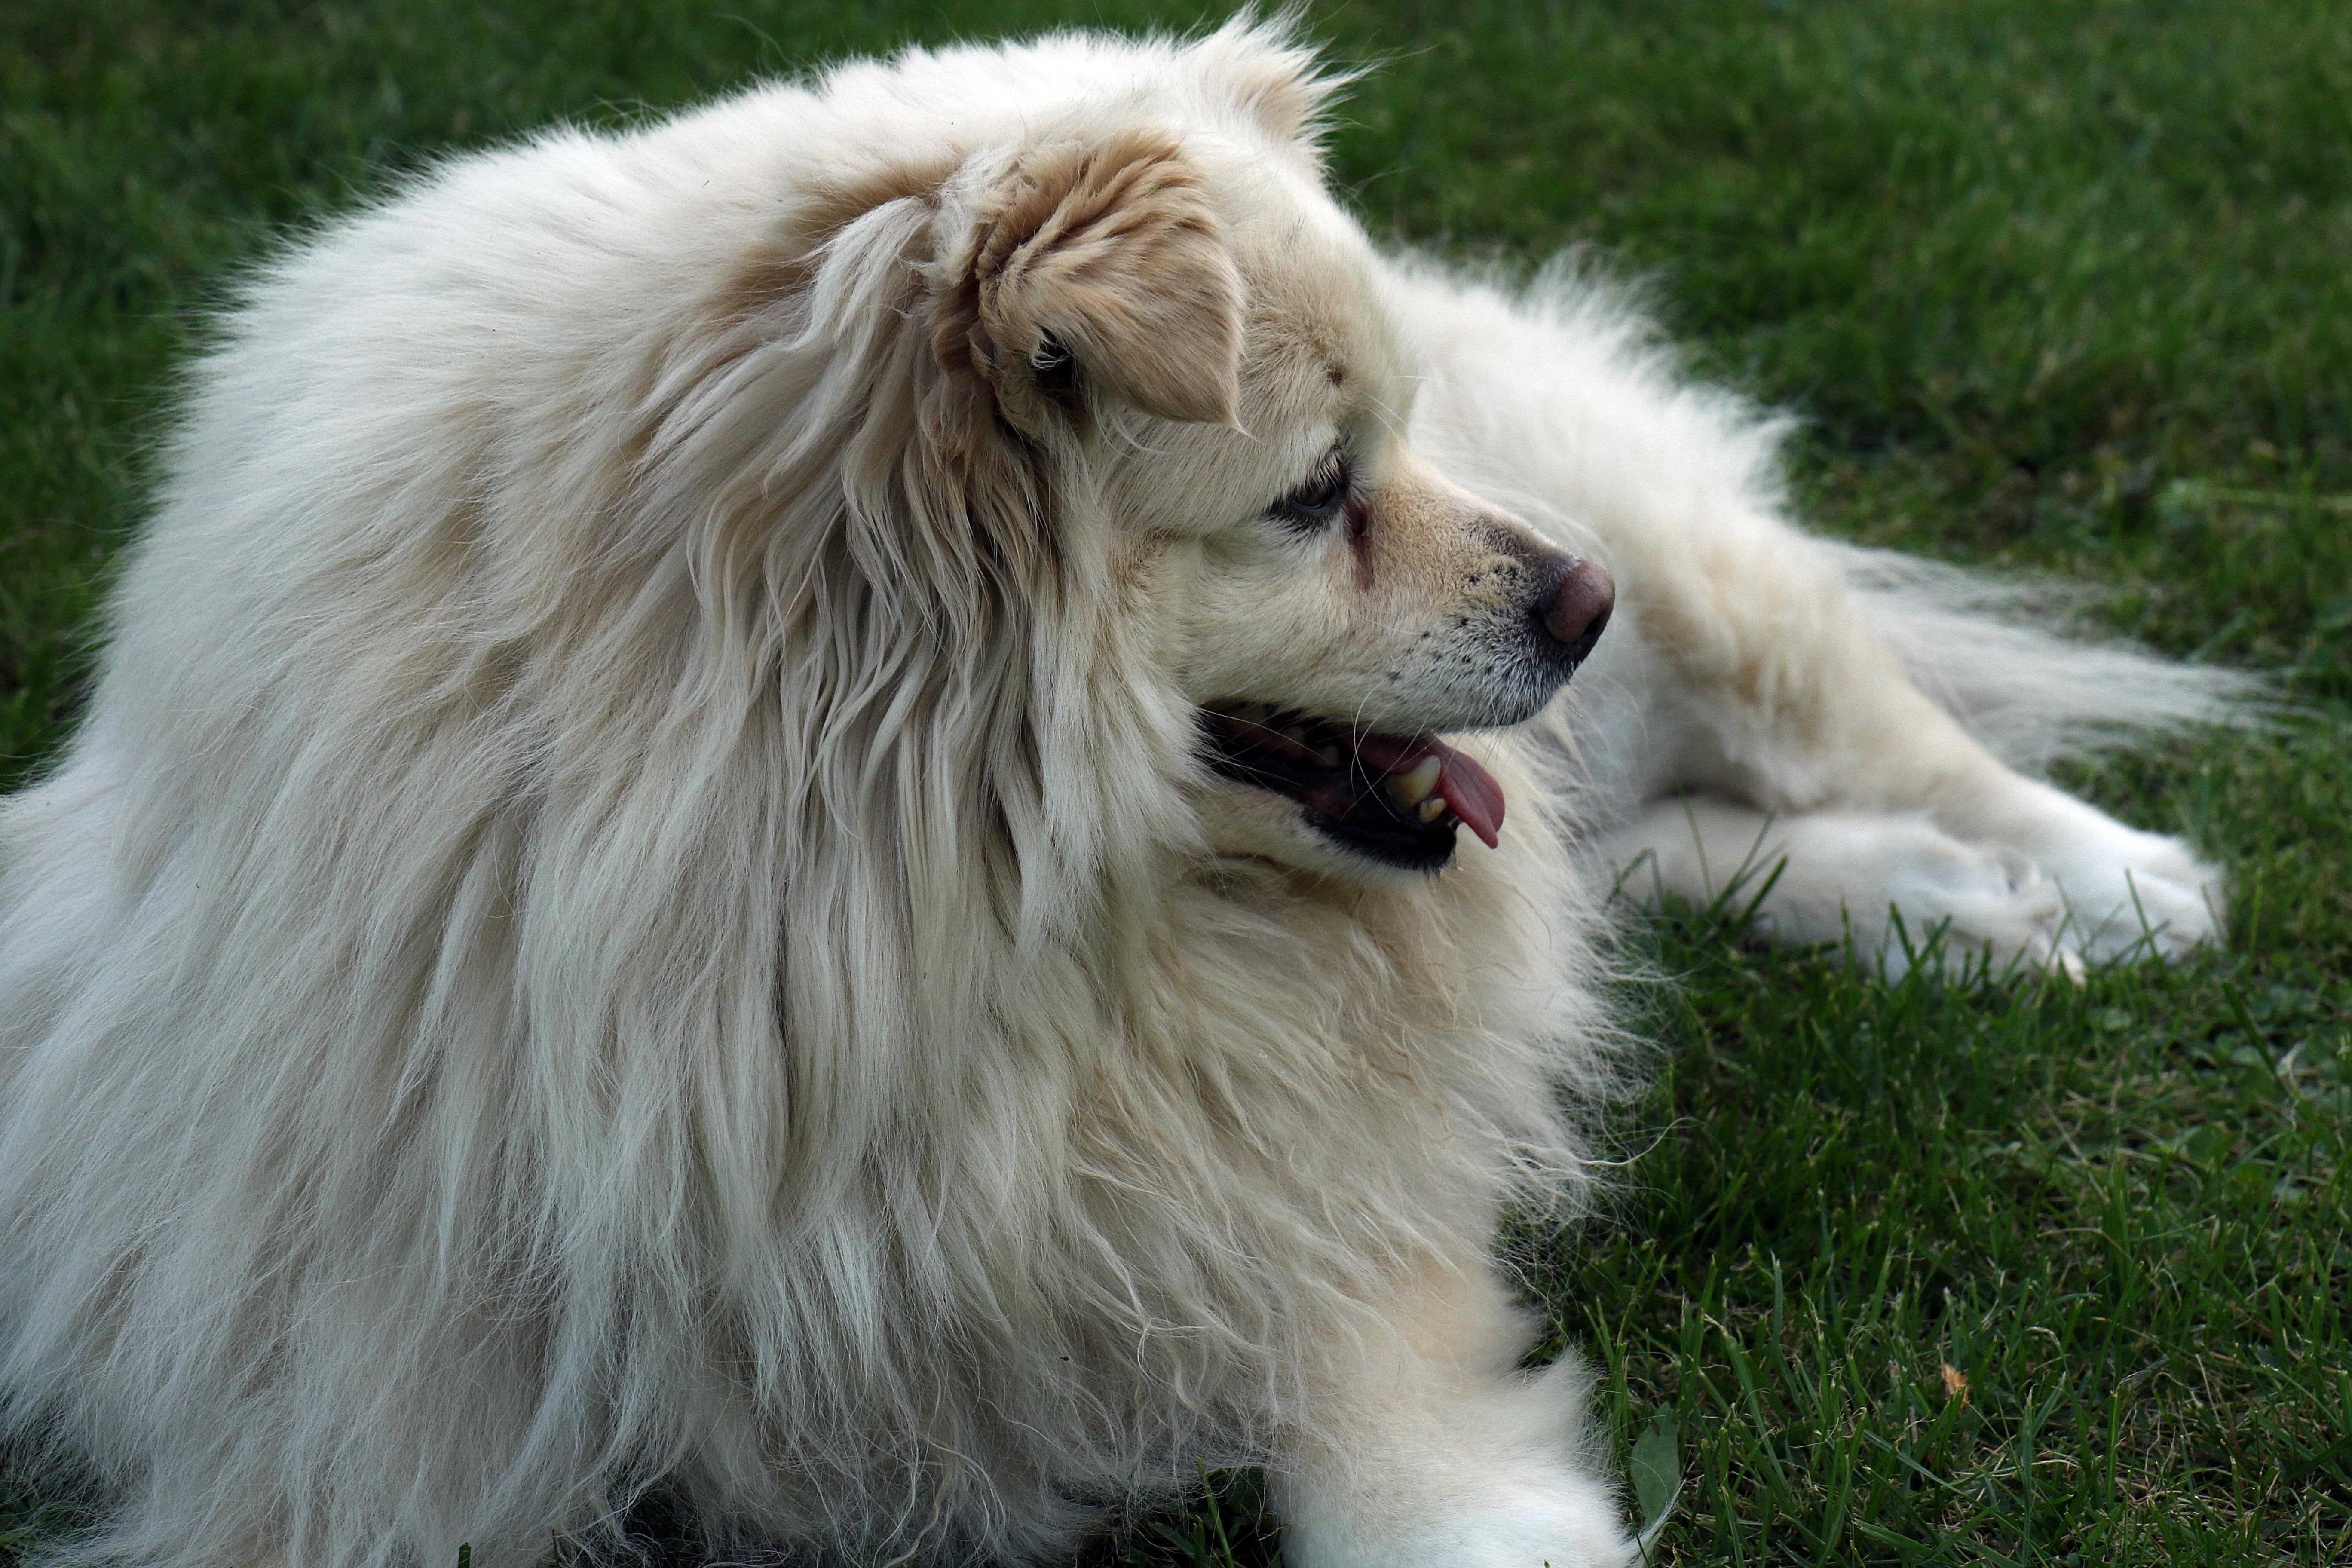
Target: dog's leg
(1764, 681)
(1869, 799)
(1887, 800)
(2127, 892)
(1891, 884)
(1427, 1447)
(1787, 702)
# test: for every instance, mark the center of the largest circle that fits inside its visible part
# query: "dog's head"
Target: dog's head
(1139, 426)
(1330, 602)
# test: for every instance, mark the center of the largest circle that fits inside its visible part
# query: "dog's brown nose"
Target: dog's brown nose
(1580, 607)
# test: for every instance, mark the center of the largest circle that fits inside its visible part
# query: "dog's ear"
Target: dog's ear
(1102, 264)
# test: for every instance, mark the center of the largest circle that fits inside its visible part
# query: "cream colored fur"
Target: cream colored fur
(635, 905)
(1835, 731)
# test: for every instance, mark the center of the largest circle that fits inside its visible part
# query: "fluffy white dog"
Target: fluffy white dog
(766, 816)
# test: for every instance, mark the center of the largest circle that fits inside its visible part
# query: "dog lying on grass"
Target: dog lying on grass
(776, 812)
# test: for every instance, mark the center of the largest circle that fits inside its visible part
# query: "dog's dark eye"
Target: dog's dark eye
(1321, 499)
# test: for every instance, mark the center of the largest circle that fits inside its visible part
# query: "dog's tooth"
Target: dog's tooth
(1328, 755)
(1411, 788)
(1432, 808)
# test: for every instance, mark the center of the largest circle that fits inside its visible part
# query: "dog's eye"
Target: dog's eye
(1321, 499)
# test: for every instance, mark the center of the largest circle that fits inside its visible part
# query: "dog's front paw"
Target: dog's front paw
(1529, 1532)
(1562, 1522)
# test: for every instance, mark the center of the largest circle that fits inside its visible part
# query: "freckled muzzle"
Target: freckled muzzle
(1399, 798)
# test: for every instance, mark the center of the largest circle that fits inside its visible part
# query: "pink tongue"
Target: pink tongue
(1468, 789)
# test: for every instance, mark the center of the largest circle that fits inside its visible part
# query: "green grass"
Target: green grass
(2054, 285)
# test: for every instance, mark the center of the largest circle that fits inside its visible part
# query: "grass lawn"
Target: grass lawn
(1917, 1274)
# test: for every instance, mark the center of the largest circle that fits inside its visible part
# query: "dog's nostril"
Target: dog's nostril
(1579, 605)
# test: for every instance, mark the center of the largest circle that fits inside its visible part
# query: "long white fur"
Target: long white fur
(599, 931)
(1858, 699)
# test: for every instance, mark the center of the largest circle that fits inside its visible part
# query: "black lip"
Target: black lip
(1347, 803)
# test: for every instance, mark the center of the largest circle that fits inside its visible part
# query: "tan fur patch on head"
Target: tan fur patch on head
(1109, 252)
(772, 273)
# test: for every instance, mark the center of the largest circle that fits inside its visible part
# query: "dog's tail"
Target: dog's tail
(1990, 650)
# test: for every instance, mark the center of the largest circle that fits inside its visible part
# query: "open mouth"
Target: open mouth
(1396, 798)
